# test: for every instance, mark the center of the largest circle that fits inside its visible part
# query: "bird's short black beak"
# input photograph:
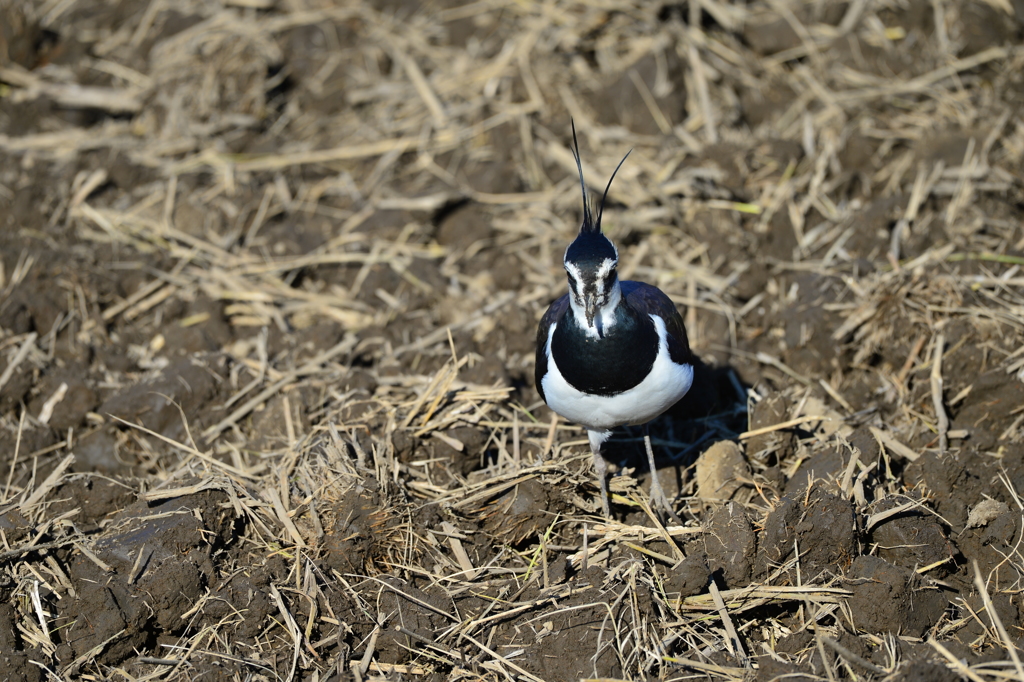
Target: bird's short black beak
(590, 309)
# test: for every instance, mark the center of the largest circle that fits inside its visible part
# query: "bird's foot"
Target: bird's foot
(659, 500)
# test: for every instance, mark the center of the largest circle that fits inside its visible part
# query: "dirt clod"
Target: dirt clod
(889, 598)
(720, 471)
(819, 526)
(731, 544)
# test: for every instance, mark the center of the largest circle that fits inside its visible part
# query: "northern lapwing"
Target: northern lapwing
(610, 353)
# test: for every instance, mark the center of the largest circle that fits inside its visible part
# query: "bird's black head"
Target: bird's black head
(591, 258)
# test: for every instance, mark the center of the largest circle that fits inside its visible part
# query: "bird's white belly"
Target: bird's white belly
(666, 383)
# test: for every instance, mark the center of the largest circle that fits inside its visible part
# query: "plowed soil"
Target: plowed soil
(270, 278)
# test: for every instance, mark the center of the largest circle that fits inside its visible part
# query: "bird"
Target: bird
(610, 353)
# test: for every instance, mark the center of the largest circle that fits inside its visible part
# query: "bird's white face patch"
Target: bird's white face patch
(607, 265)
(575, 277)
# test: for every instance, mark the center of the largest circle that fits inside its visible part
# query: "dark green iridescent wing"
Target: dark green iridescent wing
(648, 299)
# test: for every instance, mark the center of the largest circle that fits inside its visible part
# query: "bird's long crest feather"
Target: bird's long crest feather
(589, 224)
(588, 218)
(600, 211)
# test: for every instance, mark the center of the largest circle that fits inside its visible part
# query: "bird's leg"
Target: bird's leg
(601, 467)
(657, 494)
(597, 439)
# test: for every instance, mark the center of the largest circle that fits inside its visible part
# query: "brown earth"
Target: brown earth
(270, 275)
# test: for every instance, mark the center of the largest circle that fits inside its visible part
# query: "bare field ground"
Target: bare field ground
(270, 275)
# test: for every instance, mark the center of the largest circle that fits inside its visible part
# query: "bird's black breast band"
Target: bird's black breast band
(609, 365)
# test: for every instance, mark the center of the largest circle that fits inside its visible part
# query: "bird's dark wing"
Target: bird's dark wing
(553, 315)
(650, 300)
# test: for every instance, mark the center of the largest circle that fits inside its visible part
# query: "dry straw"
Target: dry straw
(217, 222)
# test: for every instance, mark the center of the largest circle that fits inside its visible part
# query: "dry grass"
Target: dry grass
(415, 111)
